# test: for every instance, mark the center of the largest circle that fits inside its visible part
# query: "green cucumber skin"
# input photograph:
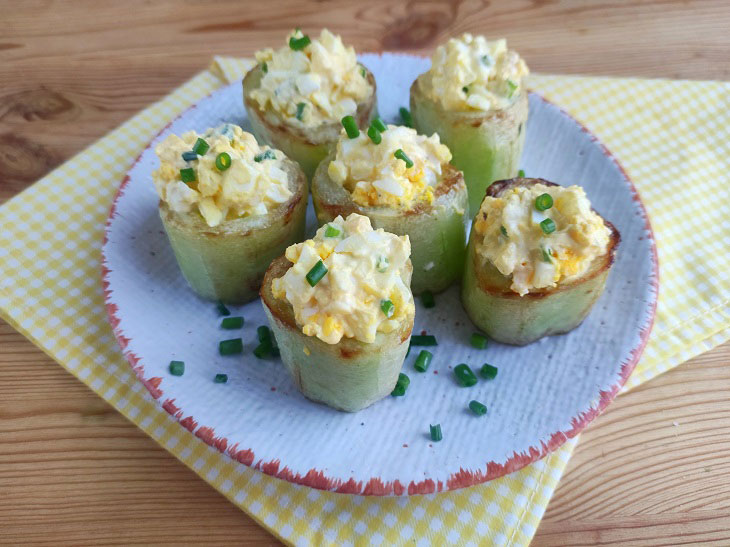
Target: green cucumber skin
(484, 148)
(437, 236)
(230, 266)
(324, 376)
(307, 152)
(509, 318)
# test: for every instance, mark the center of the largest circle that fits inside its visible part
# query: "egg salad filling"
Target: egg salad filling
(540, 235)
(378, 175)
(471, 73)
(310, 82)
(348, 281)
(223, 174)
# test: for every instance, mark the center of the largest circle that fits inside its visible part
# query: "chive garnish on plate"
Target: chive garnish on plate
(427, 299)
(464, 375)
(177, 368)
(189, 156)
(350, 125)
(332, 231)
(423, 340)
(543, 202)
(548, 226)
(436, 434)
(405, 116)
(223, 161)
(379, 124)
(268, 155)
(300, 110)
(187, 175)
(546, 257)
(423, 360)
(222, 308)
(374, 135)
(230, 347)
(401, 385)
(201, 147)
(263, 334)
(488, 371)
(264, 67)
(382, 264)
(402, 156)
(511, 87)
(298, 44)
(521, 173)
(477, 408)
(220, 378)
(503, 231)
(387, 308)
(478, 341)
(231, 323)
(315, 275)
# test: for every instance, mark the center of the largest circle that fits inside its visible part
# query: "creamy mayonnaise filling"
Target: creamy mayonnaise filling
(470, 73)
(375, 176)
(361, 293)
(253, 183)
(310, 85)
(512, 238)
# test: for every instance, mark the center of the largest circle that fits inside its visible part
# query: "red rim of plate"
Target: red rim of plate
(375, 486)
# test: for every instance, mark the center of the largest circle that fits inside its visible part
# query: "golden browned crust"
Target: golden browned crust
(599, 265)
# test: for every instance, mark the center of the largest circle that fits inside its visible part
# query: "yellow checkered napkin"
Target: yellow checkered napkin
(672, 138)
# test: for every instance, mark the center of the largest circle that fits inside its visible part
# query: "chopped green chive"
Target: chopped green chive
(264, 67)
(464, 375)
(350, 125)
(382, 264)
(363, 72)
(220, 378)
(427, 299)
(201, 147)
(503, 230)
(230, 347)
(548, 226)
(478, 341)
(177, 368)
(332, 231)
(423, 360)
(231, 323)
(268, 155)
(402, 156)
(300, 110)
(263, 350)
(546, 257)
(436, 435)
(222, 308)
(316, 274)
(298, 44)
(374, 135)
(223, 161)
(465, 89)
(187, 175)
(189, 156)
(511, 88)
(263, 334)
(477, 408)
(387, 308)
(521, 173)
(401, 385)
(379, 124)
(405, 116)
(543, 202)
(488, 371)
(423, 340)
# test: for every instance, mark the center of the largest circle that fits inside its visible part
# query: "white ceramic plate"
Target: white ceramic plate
(544, 393)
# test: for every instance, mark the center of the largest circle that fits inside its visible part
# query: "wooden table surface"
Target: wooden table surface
(654, 469)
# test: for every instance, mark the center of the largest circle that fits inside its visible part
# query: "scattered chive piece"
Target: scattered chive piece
(268, 155)
(350, 125)
(521, 173)
(220, 378)
(405, 116)
(387, 307)
(363, 73)
(427, 299)
(189, 156)
(464, 375)
(488, 371)
(316, 274)
(300, 110)
(230, 347)
(177, 368)
(298, 44)
(512, 86)
(382, 264)
(402, 156)
(231, 323)
(264, 67)
(465, 89)
(263, 350)
(200, 147)
(436, 435)
(423, 340)
(486, 60)
(401, 385)
(187, 175)
(503, 230)
(223, 161)
(423, 360)
(379, 124)
(546, 255)
(332, 231)
(478, 341)
(477, 408)
(543, 202)
(374, 135)
(263, 334)
(222, 308)
(548, 226)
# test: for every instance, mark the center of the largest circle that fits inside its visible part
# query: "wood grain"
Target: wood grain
(74, 471)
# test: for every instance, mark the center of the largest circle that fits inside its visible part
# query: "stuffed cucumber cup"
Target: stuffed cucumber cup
(229, 207)
(341, 319)
(474, 98)
(296, 96)
(405, 184)
(537, 260)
